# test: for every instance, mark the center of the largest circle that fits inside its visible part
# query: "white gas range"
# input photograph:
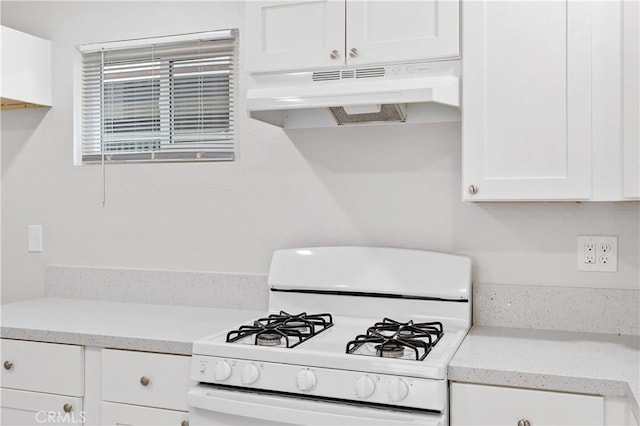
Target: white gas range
(354, 335)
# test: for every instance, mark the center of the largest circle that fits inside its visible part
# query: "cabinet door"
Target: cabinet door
(134, 415)
(34, 408)
(394, 31)
(494, 405)
(526, 100)
(631, 97)
(294, 34)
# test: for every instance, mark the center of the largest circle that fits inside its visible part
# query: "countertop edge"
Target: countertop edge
(97, 340)
(542, 381)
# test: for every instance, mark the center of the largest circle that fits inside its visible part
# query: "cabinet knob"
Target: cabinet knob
(67, 408)
(333, 54)
(353, 52)
(524, 422)
(144, 381)
(473, 190)
(184, 423)
(8, 365)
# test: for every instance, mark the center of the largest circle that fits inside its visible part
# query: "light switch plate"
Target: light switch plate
(597, 253)
(35, 238)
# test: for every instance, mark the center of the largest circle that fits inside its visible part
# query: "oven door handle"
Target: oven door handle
(290, 410)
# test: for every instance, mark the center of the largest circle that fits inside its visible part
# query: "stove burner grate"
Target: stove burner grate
(293, 329)
(393, 339)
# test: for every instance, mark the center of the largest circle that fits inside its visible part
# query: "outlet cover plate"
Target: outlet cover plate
(605, 255)
(35, 238)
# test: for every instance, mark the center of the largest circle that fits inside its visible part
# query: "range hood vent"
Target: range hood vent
(345, 74)
(325, 75)
(370, 72)
(412, 93)
(369, 114)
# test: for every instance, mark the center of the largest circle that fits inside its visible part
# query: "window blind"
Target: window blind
(165, 99)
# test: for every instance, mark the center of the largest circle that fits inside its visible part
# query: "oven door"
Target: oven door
(215, 406)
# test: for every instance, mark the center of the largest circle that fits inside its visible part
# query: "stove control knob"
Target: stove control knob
(222, 371)
(397, 390)
(306, 380)
(365, 386)
(250, 374)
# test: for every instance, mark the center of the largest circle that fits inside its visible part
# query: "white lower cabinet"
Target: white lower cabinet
(33, 408)
(50, 383)
(473, 404)
(123, 414)
(42, 383)
(141, 388)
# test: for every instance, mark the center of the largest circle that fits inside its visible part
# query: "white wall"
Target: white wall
(388, 186)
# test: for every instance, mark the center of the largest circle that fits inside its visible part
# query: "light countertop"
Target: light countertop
(133, 326)
(603, 364)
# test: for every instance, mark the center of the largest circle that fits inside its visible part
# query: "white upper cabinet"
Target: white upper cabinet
(397, 31)
(631, 98)
(315, 34)
(283, 35)
(25, 68)
(526, 100)
(551, 97)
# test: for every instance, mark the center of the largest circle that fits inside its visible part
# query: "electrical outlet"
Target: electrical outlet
(597, 253)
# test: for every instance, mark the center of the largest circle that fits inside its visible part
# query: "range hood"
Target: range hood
(411, 93)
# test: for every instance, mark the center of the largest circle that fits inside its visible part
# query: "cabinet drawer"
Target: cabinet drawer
(141, 378)
(123, 414)
(33, 408)
(43, 367)
(494, 405)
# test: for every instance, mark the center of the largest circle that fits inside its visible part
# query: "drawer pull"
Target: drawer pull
(144, 381)
(8, 365)
(184, 423)
(67, 408)
(524, 422)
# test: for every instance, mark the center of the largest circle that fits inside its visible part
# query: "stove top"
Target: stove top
(329, 348)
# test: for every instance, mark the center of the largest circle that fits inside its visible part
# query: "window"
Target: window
(164, 99)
